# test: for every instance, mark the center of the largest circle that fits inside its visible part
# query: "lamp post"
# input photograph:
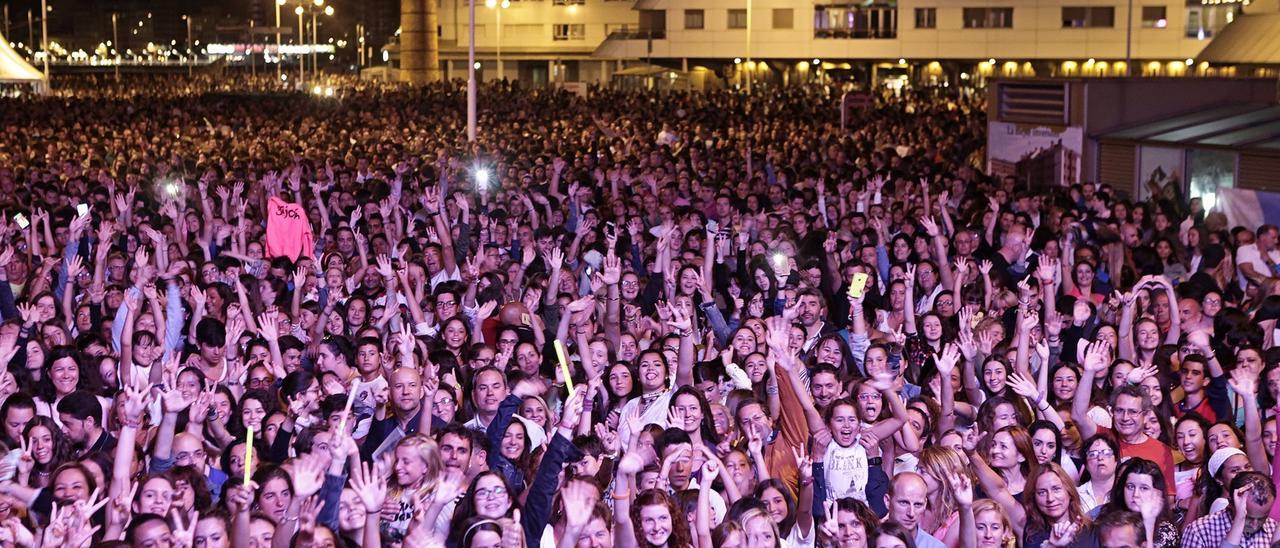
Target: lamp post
(44, 35)
(315, 35)
(115, 42)
(360, 44)
(471, 77)
(302, 37)
(191, 52)
(279, 3)
(315, 39)
(751, 73)
(497, 10)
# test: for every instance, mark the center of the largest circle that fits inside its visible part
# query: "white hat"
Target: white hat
(1220, 456)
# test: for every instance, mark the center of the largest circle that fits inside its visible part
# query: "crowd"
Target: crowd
(631, 319)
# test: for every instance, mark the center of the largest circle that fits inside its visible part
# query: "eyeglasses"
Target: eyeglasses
(1099, 453)
(488, 493)
(189, 455)
(446, 303)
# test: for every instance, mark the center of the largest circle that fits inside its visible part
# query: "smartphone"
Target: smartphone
(22, 221)
(858, 285)
(82, 210)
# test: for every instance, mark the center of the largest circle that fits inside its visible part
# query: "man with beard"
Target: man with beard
(813, 313)
(81, 417)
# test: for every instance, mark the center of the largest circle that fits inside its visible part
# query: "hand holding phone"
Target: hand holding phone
(858, 286)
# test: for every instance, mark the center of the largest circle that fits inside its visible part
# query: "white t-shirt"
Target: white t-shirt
(655, 414)
(1249, 254)
(846, 471)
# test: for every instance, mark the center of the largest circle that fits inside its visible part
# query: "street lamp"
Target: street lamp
(190, 52)
(302, 37)
(44, 37)
(494, 5)
(315, 37)
(115, 37)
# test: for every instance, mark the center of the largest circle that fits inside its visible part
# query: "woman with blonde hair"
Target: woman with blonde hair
(759, 529)
(939, 465)
(993, 525)
(416, 469)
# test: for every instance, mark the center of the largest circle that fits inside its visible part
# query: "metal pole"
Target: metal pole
(44, 35)
(1128, 41)
(253, 65)
(192, 59)
(471, 77)
(31, 34)
(751, 73)
(278, 67)
(115, 44)
(302, 60)
(498, 11)
(315, 39)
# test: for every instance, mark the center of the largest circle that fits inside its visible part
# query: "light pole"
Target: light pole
(360, 44)
(497, 10)
(751, 73)
(44, 35)
(192, 59)
(302, 38)
(279, 3)
(471, 77)
(115, 42)
(315, 35)
(315, 39)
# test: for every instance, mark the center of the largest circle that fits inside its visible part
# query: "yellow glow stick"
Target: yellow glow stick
(564, 367)
(248, 455)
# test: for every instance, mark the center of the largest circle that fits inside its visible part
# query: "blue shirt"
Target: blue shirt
(925, 540)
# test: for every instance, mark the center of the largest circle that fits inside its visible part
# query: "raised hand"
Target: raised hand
(1097, 356)
(307, 476)
(1063, 533)
(679, 320)
(582, 495)
(1024, 387)
(1140, 373)
(961, 489)
(612, 272)
(947, 360)
(370, 487)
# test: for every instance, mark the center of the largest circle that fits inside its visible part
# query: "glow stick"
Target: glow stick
(248, 455)
(564, 367)
(351, 399)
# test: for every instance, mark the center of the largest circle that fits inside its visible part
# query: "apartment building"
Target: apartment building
(939, 40)
(534, 41)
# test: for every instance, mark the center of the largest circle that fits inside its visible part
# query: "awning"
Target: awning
(15, 69)
(1236, 126)
(1252, 39)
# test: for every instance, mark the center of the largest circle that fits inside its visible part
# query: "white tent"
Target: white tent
(16, 70)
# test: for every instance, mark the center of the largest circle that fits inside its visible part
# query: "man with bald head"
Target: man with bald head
(183, 449)
(907, 500)
(406, 405)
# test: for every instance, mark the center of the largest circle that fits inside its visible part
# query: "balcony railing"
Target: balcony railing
(849, 34)
(628, 34)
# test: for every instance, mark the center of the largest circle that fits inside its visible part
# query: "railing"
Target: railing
(627, 34)
(848, 34)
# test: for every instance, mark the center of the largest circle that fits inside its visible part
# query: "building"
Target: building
(534, 41)
(933, 41)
